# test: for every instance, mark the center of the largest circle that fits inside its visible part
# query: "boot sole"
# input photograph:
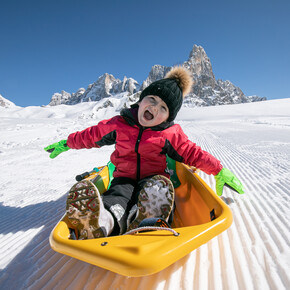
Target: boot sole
(157, 204)
(83, 210)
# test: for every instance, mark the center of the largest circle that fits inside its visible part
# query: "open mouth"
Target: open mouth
(148, 116)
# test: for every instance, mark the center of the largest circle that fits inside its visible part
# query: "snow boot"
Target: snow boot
(156, 200)
(85, 211)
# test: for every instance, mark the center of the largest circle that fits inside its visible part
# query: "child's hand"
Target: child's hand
(226, 177)
(56, 148)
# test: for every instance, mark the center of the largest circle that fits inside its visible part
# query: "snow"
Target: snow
(252, 140)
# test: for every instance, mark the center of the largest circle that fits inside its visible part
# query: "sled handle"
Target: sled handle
(142, 229)
(84, 175)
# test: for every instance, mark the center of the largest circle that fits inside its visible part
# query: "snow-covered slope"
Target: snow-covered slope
(253, 140)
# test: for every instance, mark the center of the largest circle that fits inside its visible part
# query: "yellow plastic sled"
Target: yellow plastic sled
(199, 216)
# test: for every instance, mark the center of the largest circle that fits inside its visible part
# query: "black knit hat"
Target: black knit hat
(176, 84)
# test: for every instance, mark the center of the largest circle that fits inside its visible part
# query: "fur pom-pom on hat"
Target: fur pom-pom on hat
(176, 84)
(183, 78)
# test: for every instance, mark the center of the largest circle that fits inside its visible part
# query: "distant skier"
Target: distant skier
(143, 135)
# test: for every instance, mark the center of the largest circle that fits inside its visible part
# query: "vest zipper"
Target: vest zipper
(138, 154)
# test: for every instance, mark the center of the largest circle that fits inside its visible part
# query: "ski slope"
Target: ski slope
(252, 140)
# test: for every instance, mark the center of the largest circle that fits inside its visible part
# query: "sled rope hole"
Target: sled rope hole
(141, 229)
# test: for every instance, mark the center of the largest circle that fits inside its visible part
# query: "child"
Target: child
(143, 135)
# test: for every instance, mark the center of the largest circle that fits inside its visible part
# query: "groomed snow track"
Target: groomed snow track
(252, 254)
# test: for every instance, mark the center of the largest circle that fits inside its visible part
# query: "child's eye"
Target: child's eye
(164, 109)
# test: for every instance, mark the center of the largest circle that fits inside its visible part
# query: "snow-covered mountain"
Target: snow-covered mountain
(206, 91)
(6, 103)
(106, 86)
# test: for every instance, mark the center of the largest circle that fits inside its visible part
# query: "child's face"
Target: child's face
(152, 111)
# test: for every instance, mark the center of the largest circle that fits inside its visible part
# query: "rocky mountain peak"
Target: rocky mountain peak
(60, 98)
(206, 91)
(106, 86)
(6, 103)
(199, 63)
(157, 72)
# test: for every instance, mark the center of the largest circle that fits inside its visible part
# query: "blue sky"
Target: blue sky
(49, 46)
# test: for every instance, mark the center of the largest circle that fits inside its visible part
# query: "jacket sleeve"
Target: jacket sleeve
(96, 136)
(191, 154)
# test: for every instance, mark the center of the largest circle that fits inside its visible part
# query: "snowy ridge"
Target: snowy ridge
(4, 103)
(252, 140)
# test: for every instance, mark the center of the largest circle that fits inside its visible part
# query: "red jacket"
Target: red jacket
(141, 152)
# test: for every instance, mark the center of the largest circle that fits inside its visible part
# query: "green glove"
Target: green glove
(56, 148)
(226, 177)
